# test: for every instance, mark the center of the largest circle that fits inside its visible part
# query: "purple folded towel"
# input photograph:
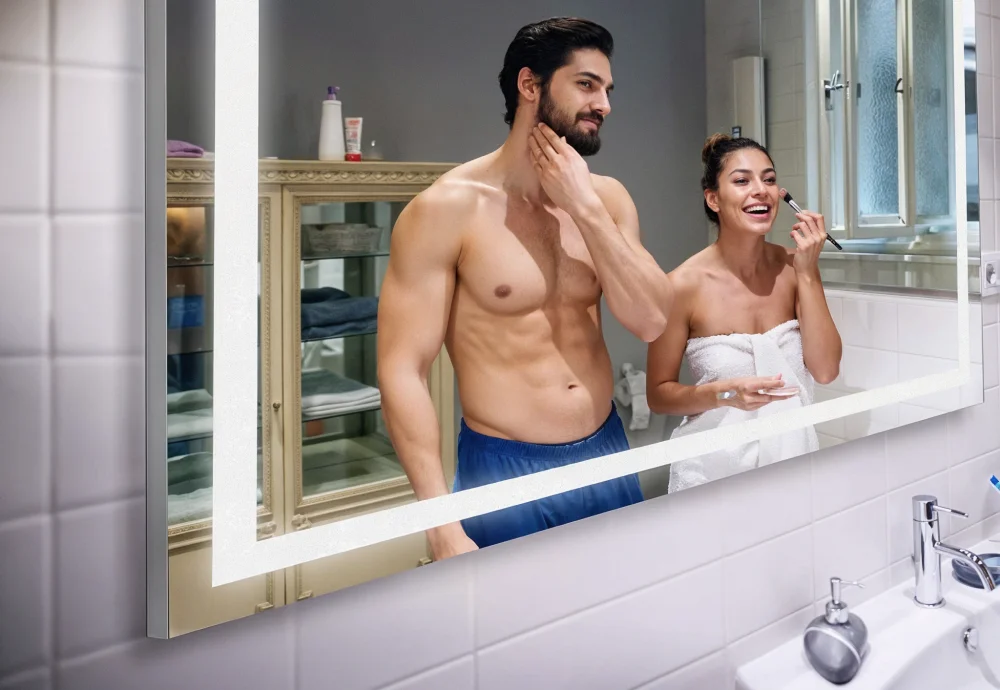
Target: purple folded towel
(182, 149)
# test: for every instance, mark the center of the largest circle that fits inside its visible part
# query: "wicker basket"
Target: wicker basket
(342, 238)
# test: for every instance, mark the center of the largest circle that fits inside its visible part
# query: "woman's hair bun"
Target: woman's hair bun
(710, 144)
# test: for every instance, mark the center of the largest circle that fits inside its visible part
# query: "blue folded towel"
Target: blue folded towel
(339, 330)
(329, 306)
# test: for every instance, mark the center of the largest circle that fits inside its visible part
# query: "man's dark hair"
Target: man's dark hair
(544, 47)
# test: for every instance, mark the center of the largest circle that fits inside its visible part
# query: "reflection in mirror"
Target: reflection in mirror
(480, 297)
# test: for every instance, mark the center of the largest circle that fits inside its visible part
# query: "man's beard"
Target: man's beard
(585, 143)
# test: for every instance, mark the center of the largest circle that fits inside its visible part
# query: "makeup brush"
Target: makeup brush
(791, 202)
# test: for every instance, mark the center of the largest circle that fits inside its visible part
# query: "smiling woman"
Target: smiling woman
(750, 316)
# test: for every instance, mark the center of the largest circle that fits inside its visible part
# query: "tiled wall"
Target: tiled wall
(669, 595)
(893, 338)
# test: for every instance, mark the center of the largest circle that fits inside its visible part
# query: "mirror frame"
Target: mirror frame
(237, 553)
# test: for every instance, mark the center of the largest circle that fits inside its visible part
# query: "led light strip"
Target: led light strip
(237, 553)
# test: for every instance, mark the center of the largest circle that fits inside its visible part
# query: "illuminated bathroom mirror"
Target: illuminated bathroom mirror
(391, 320)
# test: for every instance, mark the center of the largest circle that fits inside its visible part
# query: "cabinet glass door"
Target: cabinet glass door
(344, 255)
(190, 225)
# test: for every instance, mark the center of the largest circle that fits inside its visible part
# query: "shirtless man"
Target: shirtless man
(504, 260)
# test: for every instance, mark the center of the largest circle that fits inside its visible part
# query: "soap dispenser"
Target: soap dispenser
(836, 643)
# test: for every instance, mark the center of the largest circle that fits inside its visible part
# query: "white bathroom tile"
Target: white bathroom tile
(869, 323)
(863, 369)
(928, 329)
(36, 679)
(901, 513)
(972, 492)
(984, 44)
(608, 646)
(848, 475)
(457, 675)
(777, 497)
(98, 141)
(975, 533)
(100, 577)
(567, 575)
(991, 309)
(873, 421)
(973, 431)
(916, 451)
(991, 356)
(24, 428)
(768, 582)
(97, 295)
(987, 227)
(99, 32)
(995, 27)
(975, 333)
(851, 545)
(254, 652)
(761, 642)
(709, 672)
(24, 30)
(916, 366)
(986, 170)
(99, 449)
(912, 414)
(984, 104)
(25, 572)
(834, 427)
(971, 392)
(427, 609)
(24, 286)
(24, 118)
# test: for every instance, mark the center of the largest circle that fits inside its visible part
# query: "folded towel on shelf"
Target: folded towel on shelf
(183, 468)
(328, 306)
(339, 330)
(189, 413)
(182, 149)
(325, 393)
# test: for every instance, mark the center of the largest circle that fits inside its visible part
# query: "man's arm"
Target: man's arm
(636, 288)
(414, 307)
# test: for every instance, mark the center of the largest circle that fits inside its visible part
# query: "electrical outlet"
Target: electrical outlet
(989, 274)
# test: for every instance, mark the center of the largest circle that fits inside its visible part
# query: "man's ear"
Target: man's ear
(528, 85)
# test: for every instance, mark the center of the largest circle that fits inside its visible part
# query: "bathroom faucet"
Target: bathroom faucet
(927, 550)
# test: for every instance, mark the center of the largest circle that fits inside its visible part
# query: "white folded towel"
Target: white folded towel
(739, 355)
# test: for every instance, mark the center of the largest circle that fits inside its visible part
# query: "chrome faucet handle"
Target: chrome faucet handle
(926, 509)
(942, 509)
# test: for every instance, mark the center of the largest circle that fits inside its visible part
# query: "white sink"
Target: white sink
(911, 647)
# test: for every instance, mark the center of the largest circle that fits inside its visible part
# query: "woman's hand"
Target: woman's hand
(745, 395)
(809, 235)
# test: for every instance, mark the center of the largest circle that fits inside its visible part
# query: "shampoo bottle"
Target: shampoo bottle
(331, 128)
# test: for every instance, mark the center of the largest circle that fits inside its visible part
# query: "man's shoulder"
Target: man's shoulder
(456, 191)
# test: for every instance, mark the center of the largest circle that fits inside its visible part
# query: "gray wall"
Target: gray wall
(424, 78)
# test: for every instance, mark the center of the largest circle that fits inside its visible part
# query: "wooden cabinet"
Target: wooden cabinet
(323, 452)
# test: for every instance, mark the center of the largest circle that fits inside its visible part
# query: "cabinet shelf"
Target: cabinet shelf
(340, 336)
(343, 255)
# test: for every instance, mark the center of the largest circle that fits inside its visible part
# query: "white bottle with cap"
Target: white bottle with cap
(331, 128)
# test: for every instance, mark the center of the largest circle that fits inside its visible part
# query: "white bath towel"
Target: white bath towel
(719, 357)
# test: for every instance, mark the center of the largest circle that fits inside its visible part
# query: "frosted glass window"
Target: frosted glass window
(878, 109)
(931, 108)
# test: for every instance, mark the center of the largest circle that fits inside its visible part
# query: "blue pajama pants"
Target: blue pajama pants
(486, 459)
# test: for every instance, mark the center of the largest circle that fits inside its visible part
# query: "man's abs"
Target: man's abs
(526, 382)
